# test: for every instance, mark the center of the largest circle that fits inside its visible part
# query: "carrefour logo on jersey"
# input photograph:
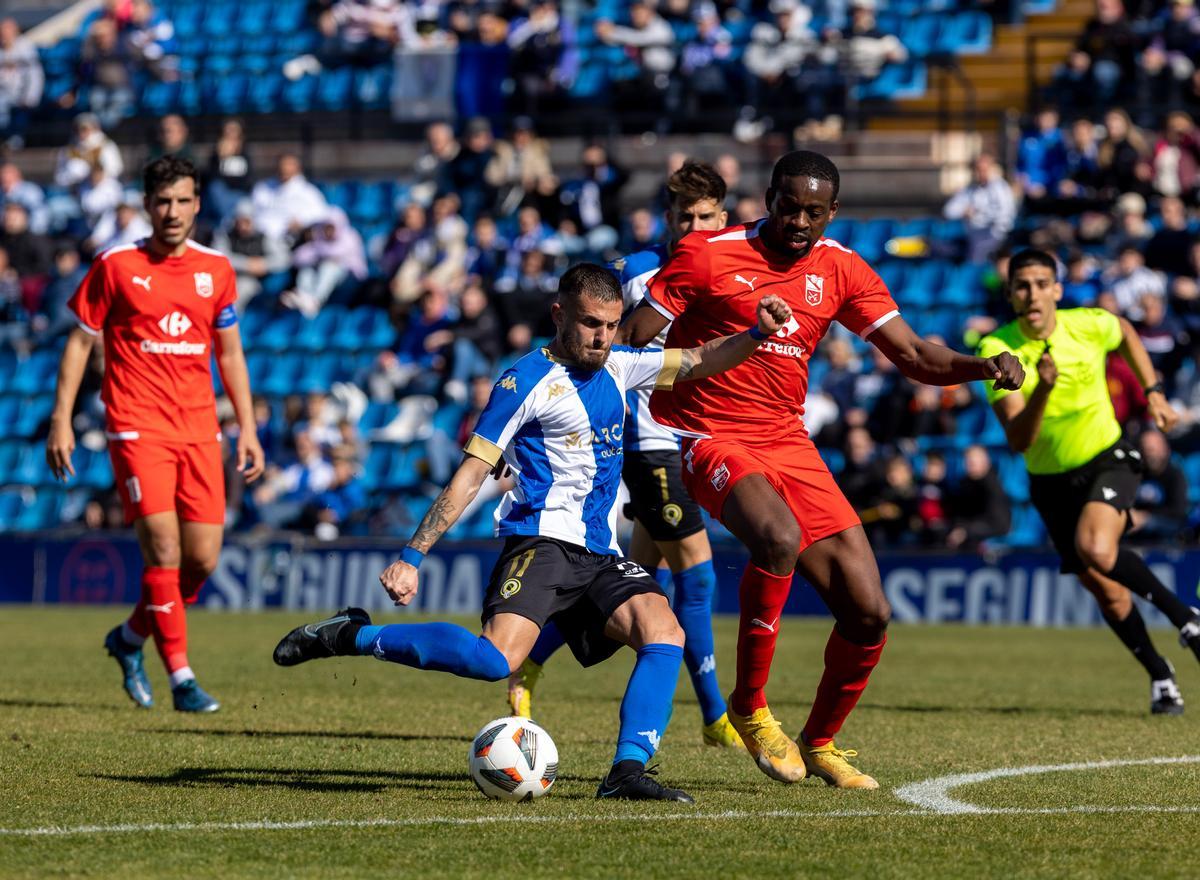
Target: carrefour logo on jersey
(174, 324)
(610, 438)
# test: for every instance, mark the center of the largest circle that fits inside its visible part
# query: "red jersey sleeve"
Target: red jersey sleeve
(683, 280)
(868, 304)
(93, 299)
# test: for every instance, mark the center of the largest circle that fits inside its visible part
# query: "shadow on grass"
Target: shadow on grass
(314, 780)
(313, 734)
(62, 704)
(1057, 711)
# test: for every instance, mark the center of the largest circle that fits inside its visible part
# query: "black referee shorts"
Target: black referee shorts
(657, 498)
(1112, 478)
(543, 579)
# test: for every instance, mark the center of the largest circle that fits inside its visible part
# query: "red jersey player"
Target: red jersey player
(163, 307)
(748, 459)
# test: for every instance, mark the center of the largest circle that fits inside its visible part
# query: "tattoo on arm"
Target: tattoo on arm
(687, 363)
(435, 523)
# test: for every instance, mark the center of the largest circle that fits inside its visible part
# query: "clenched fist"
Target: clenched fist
(1006, 370)
(773, 313)
(400, 581)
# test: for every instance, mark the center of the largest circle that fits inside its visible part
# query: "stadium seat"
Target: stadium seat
(869, 238)
(334, 89)
(316, 373)
(10, 451)
(35, 374)
(283, 374)
(278, 333)
(98, 474)
(10, 506)
(373, 87)
(254, 18)
(160, 98)
(923, 286)
(31, 468)
(229, 94)
(963, 286)
(966, 33)
(34, 414)
(39, 510)
(371, 201)
(297, 95)
(376, 467)
(9, 408)
(313, 334)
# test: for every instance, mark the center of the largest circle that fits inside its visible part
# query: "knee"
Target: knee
(200, 567)
(163, 551)
(1096, 552)
(657, 625)
(777, 546)
(868, 623)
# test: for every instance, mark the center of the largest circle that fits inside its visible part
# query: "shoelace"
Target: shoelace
(844, 754)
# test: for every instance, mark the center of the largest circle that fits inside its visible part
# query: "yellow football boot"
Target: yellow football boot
(831, 764)
(776, 755)
(721, 734)
(520, 688)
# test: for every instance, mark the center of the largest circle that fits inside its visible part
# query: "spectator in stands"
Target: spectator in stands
(487, 254)
(524, 295)
(125, 224)
(730, 169)
(978, 505)
(1042, 157)
(28, 252)
(1082, 285)
(1161, 510)
(865, 47)
(1128, 282)
(747, 210)
(645, 231)
(650, 43)
(1104, 59)
(439, 258)
(105, 69)
(988, 208)
(320, 421)
(410, 229)
(517, 166)
(531, 235)
(415, 367)
(842, 374)
(466, 173)
(287, 204)
(335, 508)
(99, 197)
(1177, 158)
(15, 188)
(1131, 228)
(21, 83)
(89, 147)
(429, 171)
(862, 475)
(253, 253)
(14, 318)
(1168, 250)
(932, 495)
(53, 319)
(1170, 58)
(357, 33)
(891, 518)
(1164, 338)
(482, 66)
(701, 78)
(1124, 155)
(474, 342)
(230, 172)
(1082, 179)
(544, 58)
(775, 55)
(173, 139)
(592, 199)
(283, 493)
(150, 36)
(330, 252)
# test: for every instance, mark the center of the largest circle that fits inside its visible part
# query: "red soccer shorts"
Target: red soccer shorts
(712, 467)
(157, 477)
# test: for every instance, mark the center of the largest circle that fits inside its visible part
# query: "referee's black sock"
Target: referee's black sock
(1132, 573)
(1132, 633)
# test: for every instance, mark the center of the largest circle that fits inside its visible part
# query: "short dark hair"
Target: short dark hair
(806, 163)
(1031, 257)
(694, 182)
(165, 170)
(590, 279)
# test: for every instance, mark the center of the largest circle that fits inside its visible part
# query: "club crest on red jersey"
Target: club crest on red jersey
(204, 284)
(814, 289)
(720, 477)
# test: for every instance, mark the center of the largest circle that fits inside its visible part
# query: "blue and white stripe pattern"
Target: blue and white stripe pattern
(561, 428)
(642, 433)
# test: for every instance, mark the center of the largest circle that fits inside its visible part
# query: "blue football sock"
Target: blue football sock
(694, 588)
(666, 580)
(549, 640)
(445, 647)
(646, 707)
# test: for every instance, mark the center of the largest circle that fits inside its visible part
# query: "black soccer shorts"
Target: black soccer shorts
(542, 579)
(1112, 478)
(657, 498)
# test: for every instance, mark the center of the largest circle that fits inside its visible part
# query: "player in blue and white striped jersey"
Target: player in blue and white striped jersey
(557, 419)
(668, 526)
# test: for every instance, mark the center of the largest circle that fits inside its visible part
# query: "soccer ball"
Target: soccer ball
(513, 759)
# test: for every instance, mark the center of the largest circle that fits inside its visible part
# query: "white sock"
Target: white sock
(179, 676)
(129, 637)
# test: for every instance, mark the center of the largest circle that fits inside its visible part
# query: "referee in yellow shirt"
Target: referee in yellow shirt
(1083, 477)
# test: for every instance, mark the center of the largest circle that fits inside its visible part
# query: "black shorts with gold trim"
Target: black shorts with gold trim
(542, 579)
(657, 498)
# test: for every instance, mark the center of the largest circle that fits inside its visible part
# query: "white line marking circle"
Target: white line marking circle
(933, 794)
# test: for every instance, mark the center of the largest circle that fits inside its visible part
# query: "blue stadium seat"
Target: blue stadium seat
(98, 474)
(314, 334)
(36, 374)
(10, 506)
(966, 33)
(317, 373)
(1191, 469)
(229, 93)
(10, 451)
(297, 95)
(159, 98)
(284, 374)
(921, 227)
(919, 34)
(841, 231)
(187, 18)
(923, 286)
(9, 408)
(869, 238)
(1027, 529)
(893, 273)
(963, 286)
(333, 89)
(288, 16)
(376, 415)
(377, 466)
(219, 17)
(278, 333)
(896, 82)
(292, 43)
(33, 415)
(402, 472)
(254, 18)
(371, 202)
(39, 511)
(373, 87)
(30, 468)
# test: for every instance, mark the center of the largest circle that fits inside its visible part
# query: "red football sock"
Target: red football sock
(189, 586)
(847, 668)
(762, 596)
(165, 613)
(138, 621)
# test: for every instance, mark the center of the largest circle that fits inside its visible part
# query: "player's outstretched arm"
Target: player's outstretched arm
(400, 578)
(932, 364)
(727, 352)
(61, 442)
(641, 326)
(1134, 352)
(235, 376)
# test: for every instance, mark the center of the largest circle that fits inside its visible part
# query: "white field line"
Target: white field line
(725, 816)
(934, 794)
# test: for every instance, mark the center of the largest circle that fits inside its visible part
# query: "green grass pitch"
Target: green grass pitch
(374, 757)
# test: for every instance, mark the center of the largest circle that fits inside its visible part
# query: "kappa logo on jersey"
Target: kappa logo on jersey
(814, 289)
(556, 390)
(175, 324)
(204, 284)
(142, 282)
(741, 280)
(508, 383)
(574, 440)
(720, 477)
